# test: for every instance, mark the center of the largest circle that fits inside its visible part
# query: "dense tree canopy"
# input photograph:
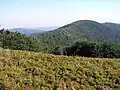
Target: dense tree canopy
(91, 49)
(18, 41)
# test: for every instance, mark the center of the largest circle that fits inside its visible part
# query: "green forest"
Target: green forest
(17, 41)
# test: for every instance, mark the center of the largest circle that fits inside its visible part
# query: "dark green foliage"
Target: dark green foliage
(18, 41)
(80, 49)
(90, 49)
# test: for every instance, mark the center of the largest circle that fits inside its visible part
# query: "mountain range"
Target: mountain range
(33, 30)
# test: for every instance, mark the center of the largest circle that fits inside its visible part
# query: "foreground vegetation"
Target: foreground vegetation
(40, 71)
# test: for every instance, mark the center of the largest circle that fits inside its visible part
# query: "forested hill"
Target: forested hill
(115, 28)
(80, 31)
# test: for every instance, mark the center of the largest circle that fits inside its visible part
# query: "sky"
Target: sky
(45, 13)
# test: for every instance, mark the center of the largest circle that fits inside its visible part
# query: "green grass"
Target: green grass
(40, 71)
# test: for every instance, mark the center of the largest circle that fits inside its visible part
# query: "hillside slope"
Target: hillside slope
(80, 31)
(40, 71)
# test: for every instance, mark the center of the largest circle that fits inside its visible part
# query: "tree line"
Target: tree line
(90, 49)
(18, 41)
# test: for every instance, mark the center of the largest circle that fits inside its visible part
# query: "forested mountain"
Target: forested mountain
(83, 30)
(115, 28)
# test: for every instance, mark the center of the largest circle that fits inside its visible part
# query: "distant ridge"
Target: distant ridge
(25, 31)
(33, 30)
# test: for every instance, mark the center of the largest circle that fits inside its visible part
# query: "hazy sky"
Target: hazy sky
(40, 13)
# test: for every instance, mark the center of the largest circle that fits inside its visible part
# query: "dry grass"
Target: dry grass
(40, 71)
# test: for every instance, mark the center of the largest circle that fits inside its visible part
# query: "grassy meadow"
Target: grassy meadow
(42, 71)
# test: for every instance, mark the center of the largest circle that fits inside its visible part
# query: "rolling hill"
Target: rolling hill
(40, 71)
(80, 31)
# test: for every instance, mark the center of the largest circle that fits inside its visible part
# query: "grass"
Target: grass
(41, 71)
